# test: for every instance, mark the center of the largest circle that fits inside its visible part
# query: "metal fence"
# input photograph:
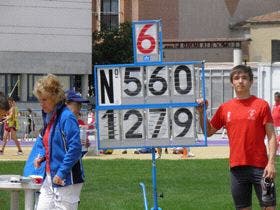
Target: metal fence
(36, 123)
(218, 90)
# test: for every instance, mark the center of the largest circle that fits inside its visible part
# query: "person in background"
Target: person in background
(181, 150)
(11, 126)
(30, 126)
(4, 111)
(1, 123)
(60, 149)
(248, 121)
(159, 152)
(74, 102)
(276, 118)
(91, 116)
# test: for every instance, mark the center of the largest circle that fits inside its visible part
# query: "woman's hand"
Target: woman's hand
(38, 161)
(58, 181)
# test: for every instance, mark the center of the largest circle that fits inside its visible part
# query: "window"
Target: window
(76, 83)
(32, 78)
(2, 83)
(275, 48)
(109, 14)
(13, 86)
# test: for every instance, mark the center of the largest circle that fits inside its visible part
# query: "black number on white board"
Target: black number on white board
(185, 124)
(155, 78)
(177, 79)
(128, 79)
(131, 132)
(109, 114)
(162, 114)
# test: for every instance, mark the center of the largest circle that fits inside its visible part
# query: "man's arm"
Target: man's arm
(210, 130)
(270, 170)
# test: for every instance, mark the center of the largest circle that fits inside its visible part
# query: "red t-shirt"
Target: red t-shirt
(245, 123)
(276, 114)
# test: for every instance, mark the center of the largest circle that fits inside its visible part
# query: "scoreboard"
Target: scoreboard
(147, 41)
(147, 105)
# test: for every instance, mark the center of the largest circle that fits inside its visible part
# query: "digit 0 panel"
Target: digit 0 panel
(148, 105)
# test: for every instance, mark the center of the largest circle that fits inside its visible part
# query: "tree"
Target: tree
(113, 46)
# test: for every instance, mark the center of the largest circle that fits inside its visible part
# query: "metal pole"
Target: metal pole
(144, 195)
(154, 177)
(10, 94)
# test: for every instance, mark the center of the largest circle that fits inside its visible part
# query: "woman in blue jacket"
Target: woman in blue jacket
(59, 148)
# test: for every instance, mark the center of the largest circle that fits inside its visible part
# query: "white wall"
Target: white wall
(45, 25)
(268, 81)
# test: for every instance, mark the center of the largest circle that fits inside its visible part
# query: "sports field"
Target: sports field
(191, 184)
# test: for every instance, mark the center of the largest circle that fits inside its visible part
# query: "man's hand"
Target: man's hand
(201, 102)
(270, 171)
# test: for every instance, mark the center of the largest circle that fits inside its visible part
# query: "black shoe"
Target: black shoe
(124, 152)
(268, 190)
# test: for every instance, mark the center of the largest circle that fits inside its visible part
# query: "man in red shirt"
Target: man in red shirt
(247, 120)
(276, 118)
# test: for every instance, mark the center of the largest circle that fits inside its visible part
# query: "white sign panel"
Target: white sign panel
(132, 84)
(147, 38)
(147, 41)
(158, 124)
(133, 124)
(109, 81)
(109, 128)
(146, 106)
(157, 80)
(182, 123)
(183, 83)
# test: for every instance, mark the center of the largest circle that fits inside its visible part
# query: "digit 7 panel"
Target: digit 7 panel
(147, 105)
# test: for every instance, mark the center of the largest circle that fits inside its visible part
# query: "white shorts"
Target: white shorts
(58, 198)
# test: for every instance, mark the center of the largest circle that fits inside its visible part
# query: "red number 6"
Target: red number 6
(142, 36)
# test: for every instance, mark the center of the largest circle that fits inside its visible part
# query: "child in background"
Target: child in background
(74, 103)
(11, 127)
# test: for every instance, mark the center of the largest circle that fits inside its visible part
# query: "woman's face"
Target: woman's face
(47, 103)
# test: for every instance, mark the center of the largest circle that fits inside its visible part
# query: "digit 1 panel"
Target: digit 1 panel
(109, 128)
(183, 125)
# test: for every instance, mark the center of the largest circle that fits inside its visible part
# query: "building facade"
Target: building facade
(193, 29)
(44, 36)
(265, 37)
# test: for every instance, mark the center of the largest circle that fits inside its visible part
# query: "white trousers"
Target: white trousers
(60, 198)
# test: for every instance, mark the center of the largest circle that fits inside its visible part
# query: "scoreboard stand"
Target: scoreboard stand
(148, 106)
(149, 103)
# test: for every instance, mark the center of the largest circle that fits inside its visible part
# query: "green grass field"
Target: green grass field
(114, 184)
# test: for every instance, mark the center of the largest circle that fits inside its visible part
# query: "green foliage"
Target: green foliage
(113, 46)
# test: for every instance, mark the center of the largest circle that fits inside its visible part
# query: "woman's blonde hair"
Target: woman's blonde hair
(49, 85)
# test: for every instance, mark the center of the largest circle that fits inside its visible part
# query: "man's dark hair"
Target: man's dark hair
(277, 94)
(4, 104)
(241, 69)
